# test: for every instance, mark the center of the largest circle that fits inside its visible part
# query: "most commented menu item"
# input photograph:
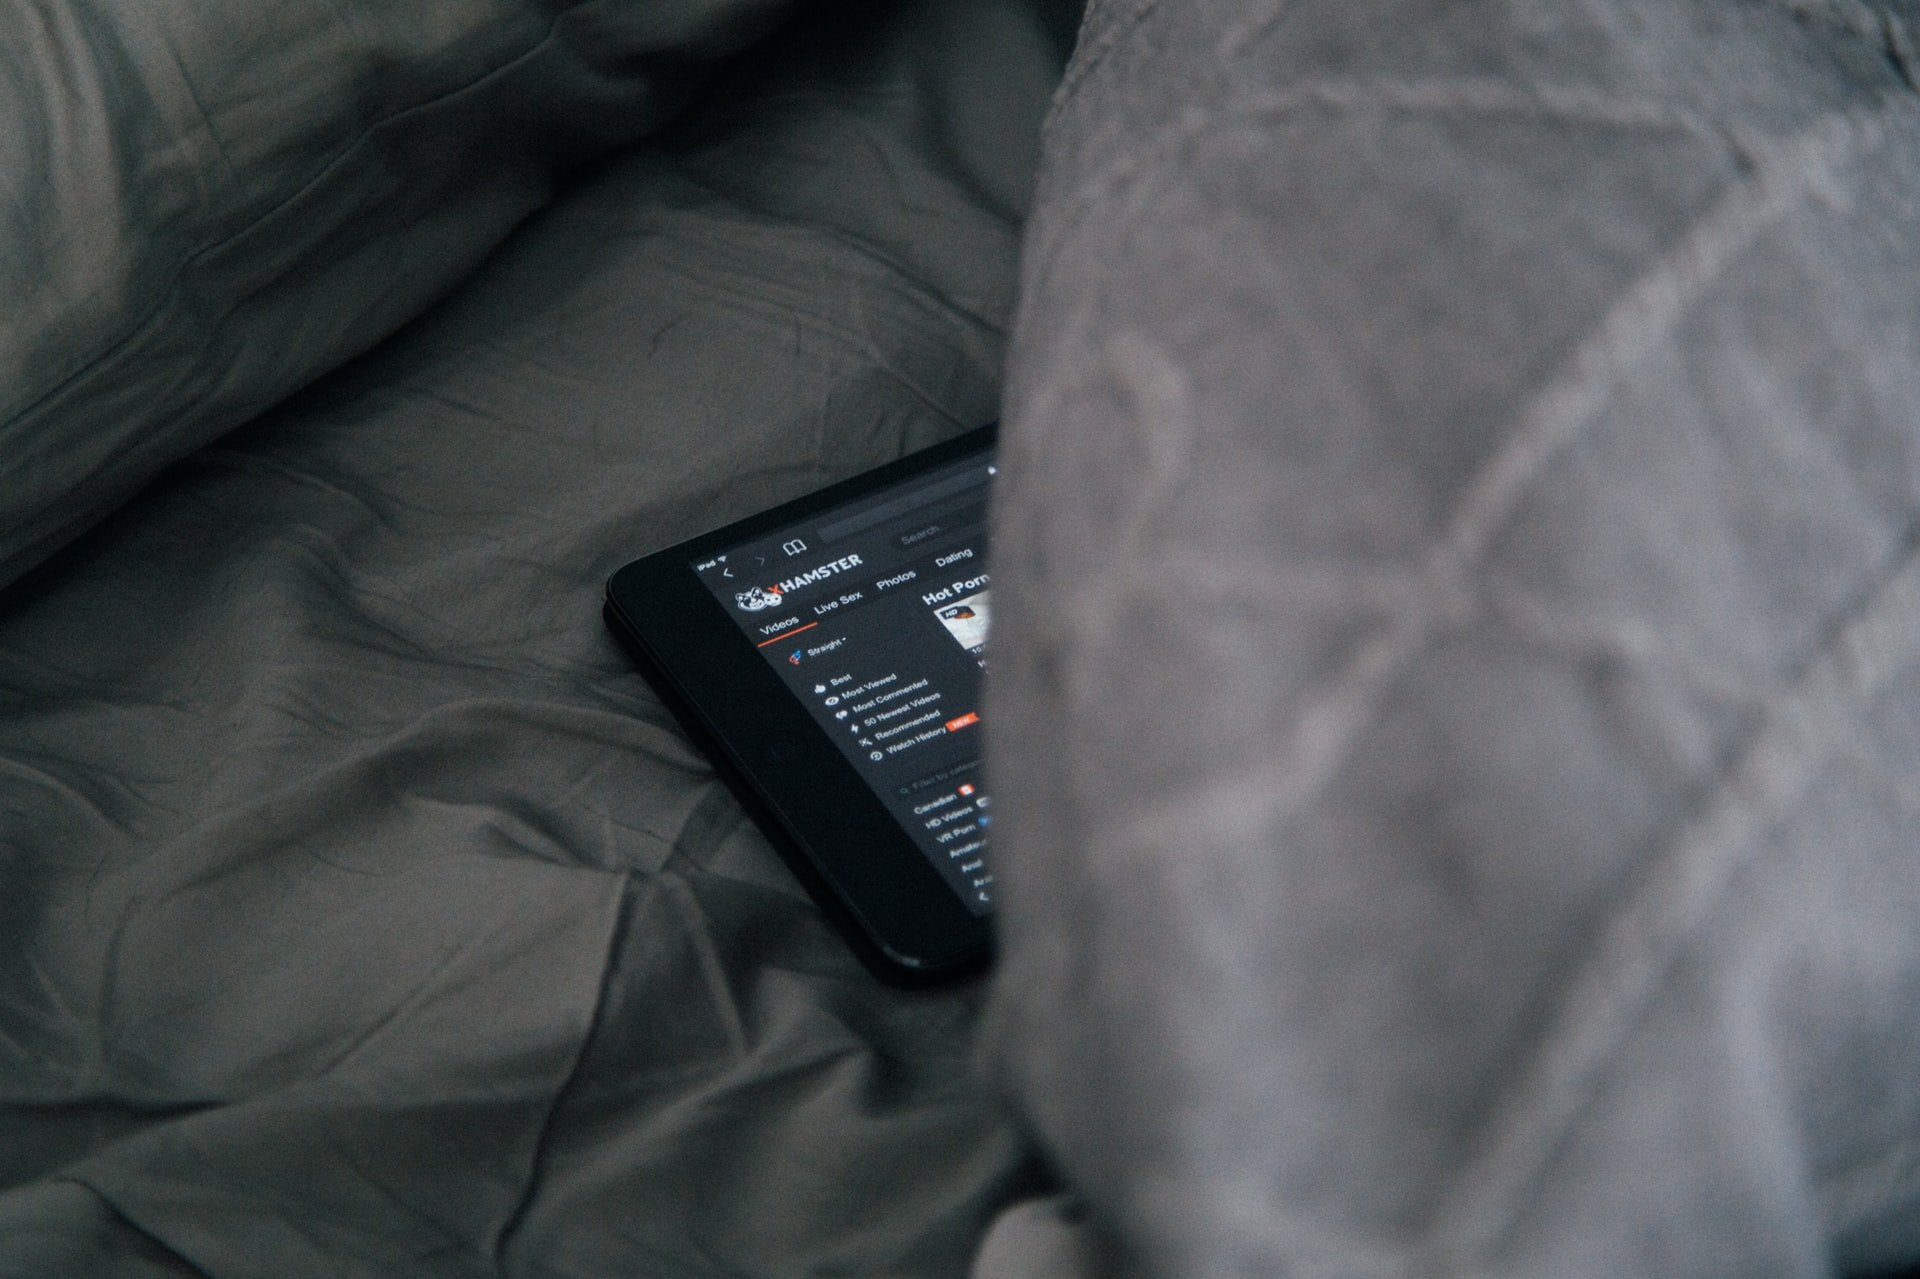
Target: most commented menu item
(842, 691)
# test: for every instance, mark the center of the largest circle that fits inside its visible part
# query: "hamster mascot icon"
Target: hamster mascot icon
(756, 599)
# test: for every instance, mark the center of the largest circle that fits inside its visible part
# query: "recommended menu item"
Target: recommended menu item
(828, 654)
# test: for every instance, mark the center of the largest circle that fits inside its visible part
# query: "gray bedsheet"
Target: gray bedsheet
(363, 913)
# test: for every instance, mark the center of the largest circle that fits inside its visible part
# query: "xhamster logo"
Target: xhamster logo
(756, 599)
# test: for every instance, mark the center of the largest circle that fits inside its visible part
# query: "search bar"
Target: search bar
(907, 502)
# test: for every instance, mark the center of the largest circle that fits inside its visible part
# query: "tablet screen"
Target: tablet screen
(874, 615)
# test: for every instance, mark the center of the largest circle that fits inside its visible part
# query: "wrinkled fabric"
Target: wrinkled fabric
(1456, 607)
(204, 206)
(364, 912)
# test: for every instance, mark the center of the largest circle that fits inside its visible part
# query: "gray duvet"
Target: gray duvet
(1458, 628)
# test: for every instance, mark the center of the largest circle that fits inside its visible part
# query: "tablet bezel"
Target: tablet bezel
(813, 804)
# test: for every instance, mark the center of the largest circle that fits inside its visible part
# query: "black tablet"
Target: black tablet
(828, 655)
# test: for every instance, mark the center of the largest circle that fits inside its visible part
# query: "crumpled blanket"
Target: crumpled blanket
(1457, 665)
(361, 910)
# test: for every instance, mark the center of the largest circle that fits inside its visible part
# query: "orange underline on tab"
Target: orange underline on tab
(786, 635)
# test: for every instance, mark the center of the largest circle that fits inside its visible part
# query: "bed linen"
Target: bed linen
(363, 912)
(1457, 651)
(1452, 700)
(203, 206)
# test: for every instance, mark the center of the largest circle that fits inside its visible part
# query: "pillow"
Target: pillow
(205, 205)
(1454, 682)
